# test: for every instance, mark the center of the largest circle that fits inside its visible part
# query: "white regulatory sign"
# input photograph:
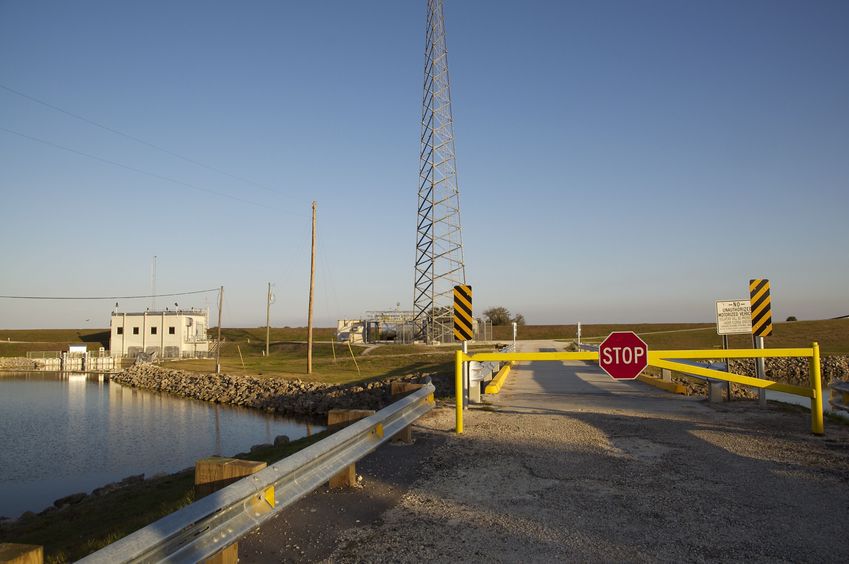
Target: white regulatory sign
(733, 317)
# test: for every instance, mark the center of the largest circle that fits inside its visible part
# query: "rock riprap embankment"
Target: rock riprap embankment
(285, 397)
(787, 370)
(796, 370)
(17, 363)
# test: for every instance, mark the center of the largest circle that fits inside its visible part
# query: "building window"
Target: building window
(153, 330)
(135, 330)
(172, 330)
(120, 330)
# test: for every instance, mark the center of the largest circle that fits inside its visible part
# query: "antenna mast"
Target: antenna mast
(439, 262)
(153, 284)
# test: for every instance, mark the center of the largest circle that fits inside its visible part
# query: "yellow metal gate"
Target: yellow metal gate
(661, 359)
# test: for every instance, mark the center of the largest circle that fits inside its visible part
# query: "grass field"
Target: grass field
(49, 340)
(334, 362)
(289, 360)
(832, 335)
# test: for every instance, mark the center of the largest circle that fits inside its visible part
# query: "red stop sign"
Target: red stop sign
(623, 355)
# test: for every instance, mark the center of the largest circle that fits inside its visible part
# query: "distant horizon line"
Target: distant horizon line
(703, 323)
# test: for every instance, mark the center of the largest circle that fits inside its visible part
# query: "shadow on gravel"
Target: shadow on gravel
(592, 486)
(309, 530)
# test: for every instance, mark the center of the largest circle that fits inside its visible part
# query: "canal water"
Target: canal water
(62, 434)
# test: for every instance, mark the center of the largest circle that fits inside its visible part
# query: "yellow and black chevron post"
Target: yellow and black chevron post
(761, 307)
(463, 313)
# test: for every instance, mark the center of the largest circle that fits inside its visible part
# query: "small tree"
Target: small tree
(792, 318)
(519, 319)
(498, 315)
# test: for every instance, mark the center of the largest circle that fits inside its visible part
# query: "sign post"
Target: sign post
(761, 325)
(733, 317)
(623, 355)
(463, 331)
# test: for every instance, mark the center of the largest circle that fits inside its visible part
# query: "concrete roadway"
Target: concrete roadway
(579, 386)
(568, 465)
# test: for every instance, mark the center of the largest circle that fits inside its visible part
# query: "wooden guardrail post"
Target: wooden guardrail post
(336, 419)
(11, 553)
(405, 435)
(214, 473)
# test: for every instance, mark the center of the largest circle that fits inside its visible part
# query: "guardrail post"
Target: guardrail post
(715, 389)
(474, 386)
(665, 374)
(405, 435)
(11, 553)
(336, 419)
(817, 426)
(214, 473)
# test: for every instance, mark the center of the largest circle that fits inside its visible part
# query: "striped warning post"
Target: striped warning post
(761, 307)
(463, 313)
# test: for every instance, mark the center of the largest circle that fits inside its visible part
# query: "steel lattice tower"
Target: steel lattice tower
(439, 244)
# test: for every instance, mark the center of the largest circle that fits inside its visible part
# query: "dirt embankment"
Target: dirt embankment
(284, 397)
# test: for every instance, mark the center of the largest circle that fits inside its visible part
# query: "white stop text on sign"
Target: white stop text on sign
(622, 355)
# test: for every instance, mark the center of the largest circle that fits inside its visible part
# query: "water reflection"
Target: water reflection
(61, 434)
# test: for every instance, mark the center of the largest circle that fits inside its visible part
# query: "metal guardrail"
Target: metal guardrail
(485, 370)
(212, 523)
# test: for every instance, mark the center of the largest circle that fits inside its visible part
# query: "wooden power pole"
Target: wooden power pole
(218, 347)
(267, 319)
(312, 289)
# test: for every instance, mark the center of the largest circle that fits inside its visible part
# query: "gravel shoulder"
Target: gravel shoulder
(734, 485)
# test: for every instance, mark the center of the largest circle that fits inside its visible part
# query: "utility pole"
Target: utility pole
(312, 289)
(267, 319)
(218, 348)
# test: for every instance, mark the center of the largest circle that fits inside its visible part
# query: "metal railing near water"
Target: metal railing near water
(43, 354)
(212, 523)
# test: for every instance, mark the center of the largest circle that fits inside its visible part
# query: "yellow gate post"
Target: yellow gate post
(817, 426)
(458, 389)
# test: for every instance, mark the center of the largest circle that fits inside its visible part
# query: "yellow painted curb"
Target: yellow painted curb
(666, 386)
(495, 385)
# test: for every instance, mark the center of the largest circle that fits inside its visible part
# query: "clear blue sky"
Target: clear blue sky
(618, 160)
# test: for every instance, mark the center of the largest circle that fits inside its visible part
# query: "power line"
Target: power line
(107, 297)
(136, 139)
(132, 168)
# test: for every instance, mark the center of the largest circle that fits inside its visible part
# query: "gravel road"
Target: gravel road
(597, 471)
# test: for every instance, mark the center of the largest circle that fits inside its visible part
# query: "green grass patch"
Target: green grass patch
(831, 334)
(18, 342)
(332, 363)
